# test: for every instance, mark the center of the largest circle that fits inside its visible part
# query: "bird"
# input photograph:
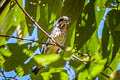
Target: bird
(58, 33)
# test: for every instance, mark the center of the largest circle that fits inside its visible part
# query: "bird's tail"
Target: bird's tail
(35, 71)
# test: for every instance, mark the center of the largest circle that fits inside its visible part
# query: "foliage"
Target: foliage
(103, 52)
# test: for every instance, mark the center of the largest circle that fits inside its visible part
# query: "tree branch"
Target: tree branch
(3, 5)
(79, 59)
(25, 39)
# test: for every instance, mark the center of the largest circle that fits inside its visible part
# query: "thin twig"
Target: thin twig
(26, 39)
(79, 59)
(41, 29)
(83, 54)
(105, 75)
(3, 5)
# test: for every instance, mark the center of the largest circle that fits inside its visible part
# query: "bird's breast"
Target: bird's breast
(60, 38)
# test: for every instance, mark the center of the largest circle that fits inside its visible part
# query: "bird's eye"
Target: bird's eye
(66, 22)
(60, 20)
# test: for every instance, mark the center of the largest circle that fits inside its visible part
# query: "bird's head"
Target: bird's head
(62, 22)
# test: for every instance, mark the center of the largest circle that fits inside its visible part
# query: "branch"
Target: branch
(79, 59)
(25, 39)
(3, 5)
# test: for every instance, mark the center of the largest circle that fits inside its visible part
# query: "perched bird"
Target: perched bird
(59, 35)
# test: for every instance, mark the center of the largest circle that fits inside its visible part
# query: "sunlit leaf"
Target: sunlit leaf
(2, 60)
(20, 71)
(46, 58)
(99, 10)
(68, 53)
(77, 65)
(83, 75)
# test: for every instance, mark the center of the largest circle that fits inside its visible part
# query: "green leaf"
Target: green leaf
(92, 46)
(60, 76)
(77, 65)
(31, 8)
(73, 9)
(71, 35)
(68, 53)
(83, 75)
(112, 22)
(46, 75)
(58, 63)
(43, 20)
(95, 69)
(110, 3)
(114, 65)
(86, 26)
(105, 40)
(82, 35)
(117, 28)
(99, 10)
(4, 51)
(2, 60)
(28, 67)
(96, 66)
(20, 71)
(18, 57)
(23, 29)
(46, 59)
(54, 9)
